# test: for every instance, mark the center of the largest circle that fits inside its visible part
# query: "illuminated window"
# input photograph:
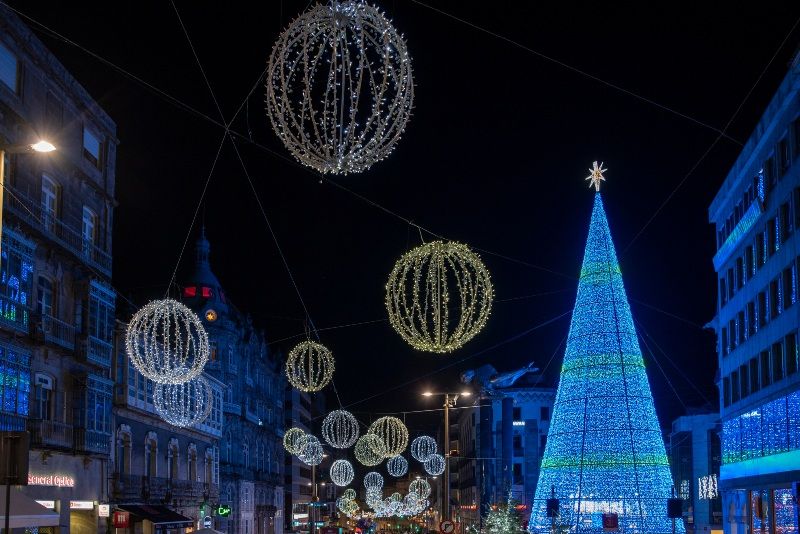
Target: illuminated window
(92, 146)
(51, 193)
(190, 291)
(206, 292)
(89, 230)
(9, 69)
(45, 296)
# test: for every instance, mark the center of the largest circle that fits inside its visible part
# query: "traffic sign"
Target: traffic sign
(447, 527)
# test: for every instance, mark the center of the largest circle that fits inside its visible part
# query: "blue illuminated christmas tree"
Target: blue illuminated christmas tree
(604, 450)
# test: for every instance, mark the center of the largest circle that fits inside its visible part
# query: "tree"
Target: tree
(503, 519)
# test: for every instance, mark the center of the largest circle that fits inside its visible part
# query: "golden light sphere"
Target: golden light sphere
(370, 450)
(392, 433)
(309, 366)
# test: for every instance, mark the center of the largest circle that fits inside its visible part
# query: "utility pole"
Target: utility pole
(446, 504)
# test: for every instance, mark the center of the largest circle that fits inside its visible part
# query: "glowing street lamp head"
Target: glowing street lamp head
(466, 393)
(427, 394)
(43, 146)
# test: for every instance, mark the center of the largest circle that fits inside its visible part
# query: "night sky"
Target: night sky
(494, 156)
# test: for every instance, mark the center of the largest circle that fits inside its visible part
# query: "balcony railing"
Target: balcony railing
(58, 332)
(12, 422)
(232, 407)
(97, 351)
(92, 441)
(50, 434)
(31, 212)
(14, 315)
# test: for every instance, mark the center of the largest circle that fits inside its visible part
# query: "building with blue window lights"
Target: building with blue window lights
(757, 217)
(56, 303)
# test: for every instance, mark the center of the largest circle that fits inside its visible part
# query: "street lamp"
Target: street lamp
(314, 497)
(450, 399)
(40, 146)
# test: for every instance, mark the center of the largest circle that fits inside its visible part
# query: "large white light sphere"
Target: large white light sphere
(370, 450)
(342, 472)
(166, 342)
(340, 429)
(349, 494)
(294, 440)
(392, 432)
(373, 480)
(397, 466)
(183, 405)
(312, 452)
(422, 447)
(421, 487)
(434, 465)
(339, 87)
(309, 366)
(439, 296)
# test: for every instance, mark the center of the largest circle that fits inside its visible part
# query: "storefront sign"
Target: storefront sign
(48, 504)
(207, 522)
(121, 519)
(81, 505)
(223, 510)
(60, 481)
(103, 510)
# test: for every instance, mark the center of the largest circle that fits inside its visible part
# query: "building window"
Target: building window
(774, 302)
(761, 248)
(723, 292)
(91, 147)
(784, 222)
(740, 327)
(788, 294)
(16, 278)
(517, 474)
(791, 354)
(744, 381)
(730, 282)
(762, 309)
(43, 397)
(172, 460)
(766, 376)
(517, 413)
(751, 319)
(749, 265)
(192, 464)
(724, 342)
(772, 234)
(544, 413)
(735, 386)
(54, 113)
(123, 455)
(777, 361)
(726, 391)
(45, 297)
(755, 382)
(769, 174)
(150, 456)
(784, 157)
(89, 230)
(9, 69)
(739, 273)
(93, 409)
(101, 311)
(51, 193)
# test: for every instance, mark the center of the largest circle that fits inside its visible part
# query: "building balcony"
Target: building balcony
(237, 471)
(91, 441)
(14, 316)
(50, 434)
(97, 351)
(126, 487)
(52, 227)
(58, 332)
(12, 422)
(232, 407)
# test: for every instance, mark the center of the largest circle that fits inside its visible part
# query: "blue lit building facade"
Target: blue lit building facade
(756, 214)
(56, 303)
(251, 459)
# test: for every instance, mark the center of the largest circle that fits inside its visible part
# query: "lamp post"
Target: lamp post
(314, 498)
(450, 399)
(40, 146)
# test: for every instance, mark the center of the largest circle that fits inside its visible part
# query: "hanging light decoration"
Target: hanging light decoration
(309, 366)
(183, 405)
(340, 429)
(349, 494)
(370, 450)
(397, 466)
(392, 432)
(312, 451)
(439, 296)
(166, 342)
(434, 465)
(422, 447)
(420, 487)
(342, 472)
(373, 480)
(294, 440)
(396, 497)
(339, 87)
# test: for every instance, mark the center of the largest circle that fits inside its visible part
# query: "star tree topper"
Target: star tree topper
(596, 176)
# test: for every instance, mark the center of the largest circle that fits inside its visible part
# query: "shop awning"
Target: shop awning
(161, 516)
(25, 511)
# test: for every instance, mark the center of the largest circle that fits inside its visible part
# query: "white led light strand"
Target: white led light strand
(166, 342)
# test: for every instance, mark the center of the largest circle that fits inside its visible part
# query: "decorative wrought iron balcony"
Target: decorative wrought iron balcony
(50, 434)
(58, 332)
(92, 441)
(97, 351)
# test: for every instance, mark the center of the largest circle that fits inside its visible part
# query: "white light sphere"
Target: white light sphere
(420, 487)
(422, 447)
(392, 432)
(312, 452)
(342, 472)
(439, 296)
(370, 450)
(373, 480)
(166, 342)
(294, 440)
(340, 429)
(309, 366)
(183, 405)
(434, 465)
(396, 497)
(349, 494)
(397, 466)
(339, 87)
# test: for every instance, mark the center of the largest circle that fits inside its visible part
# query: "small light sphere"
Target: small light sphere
(342, 472)
(340, 429)
(309, 366)
(294, 440)
(349, 494)
(439, 296)
(421, 487)
(396, 497)
(166, 342)
(339, 87)
(370, 450)
(312, 453)
(422, 448)
(434, 465)
(373, 480)
(392, 432)
(397, 466)
(183, 405)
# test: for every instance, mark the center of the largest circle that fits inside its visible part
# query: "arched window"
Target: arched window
(229, 493)
(151, 455)
(209, 467)
(268, 462)
(228, 447)
(172, 459)
(51, 193)
(191, 463)
(246, 454)
(123, 453)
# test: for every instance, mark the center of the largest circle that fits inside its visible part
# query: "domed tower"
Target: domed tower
(202, 291)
